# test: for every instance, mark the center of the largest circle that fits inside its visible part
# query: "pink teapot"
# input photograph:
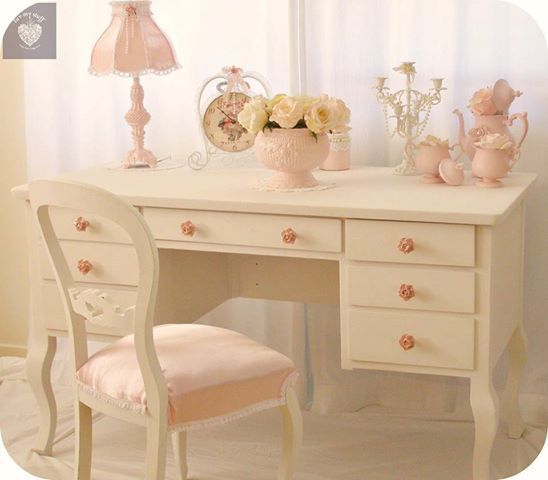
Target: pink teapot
(490, 109)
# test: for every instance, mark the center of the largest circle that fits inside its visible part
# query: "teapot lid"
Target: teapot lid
(451, 172)
(504, 95)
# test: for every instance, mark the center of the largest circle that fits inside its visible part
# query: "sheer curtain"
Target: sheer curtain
(75, 120)
(470, 43)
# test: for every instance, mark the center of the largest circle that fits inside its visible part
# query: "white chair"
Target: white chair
(169, 378)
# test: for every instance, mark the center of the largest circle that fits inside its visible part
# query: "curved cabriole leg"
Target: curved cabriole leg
(485, 406)
(83, 441)
(292, 435)
(42, 350)
(179, 440)
(517, 349)
(156, 450)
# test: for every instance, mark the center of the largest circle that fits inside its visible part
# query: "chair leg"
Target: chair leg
(292, 436)
(156, 451)
(179, 440)
(83, 436)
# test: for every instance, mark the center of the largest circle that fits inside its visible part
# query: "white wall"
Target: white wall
(13, 253)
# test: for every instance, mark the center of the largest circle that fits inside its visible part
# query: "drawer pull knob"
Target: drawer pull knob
(289, 236)
(406, 245)
(81, 224)
(406, 292)
(188, 229)
(407, 342)
(84, 266)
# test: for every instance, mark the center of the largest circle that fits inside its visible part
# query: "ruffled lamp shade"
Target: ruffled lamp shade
(133, 45)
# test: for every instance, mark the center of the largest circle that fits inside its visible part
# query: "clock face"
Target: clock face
(221, 123)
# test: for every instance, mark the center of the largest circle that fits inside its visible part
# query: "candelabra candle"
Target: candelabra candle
(411, 111)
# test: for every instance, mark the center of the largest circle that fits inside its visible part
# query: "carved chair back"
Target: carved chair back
(81, 304)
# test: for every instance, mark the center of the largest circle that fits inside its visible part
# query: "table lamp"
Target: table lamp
(131, 46)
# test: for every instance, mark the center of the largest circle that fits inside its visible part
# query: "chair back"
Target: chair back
(83, 303)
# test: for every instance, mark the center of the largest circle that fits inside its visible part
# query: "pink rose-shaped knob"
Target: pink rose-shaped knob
(407, 342)
(81, 224)
(84, 266)
(407, 292)
(188, 228)
(289, 236)
(406, 245)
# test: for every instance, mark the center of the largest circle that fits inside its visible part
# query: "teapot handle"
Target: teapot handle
(523, 117)
(514, 158)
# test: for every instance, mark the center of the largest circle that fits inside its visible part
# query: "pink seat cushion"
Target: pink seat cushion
(212, 374)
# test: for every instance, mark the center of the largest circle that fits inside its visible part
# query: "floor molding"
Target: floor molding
(12, 350)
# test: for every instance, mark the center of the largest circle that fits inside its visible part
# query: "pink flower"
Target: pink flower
(479, 131)
(289, 236)
(482, 103)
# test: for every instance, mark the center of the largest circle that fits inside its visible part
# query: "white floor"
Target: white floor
(372, 444)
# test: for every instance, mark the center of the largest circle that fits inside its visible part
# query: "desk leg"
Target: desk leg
(38, 367)
(485, 406)
(517, 349)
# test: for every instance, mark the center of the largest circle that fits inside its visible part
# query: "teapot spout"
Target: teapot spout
(462, 130)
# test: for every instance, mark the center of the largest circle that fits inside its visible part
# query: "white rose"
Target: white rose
(340, 115)
(287, 112)
(253, 116)
(274, 101)
(318, 117)
(495, 141)
(307, 101)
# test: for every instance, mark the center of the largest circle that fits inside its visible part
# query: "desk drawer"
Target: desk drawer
(316, 234)
(91, 228)
(108, 263)
(432, 243)
(54, 315)
(432, 289)
(445, 342)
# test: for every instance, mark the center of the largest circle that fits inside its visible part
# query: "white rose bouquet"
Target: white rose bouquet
(318, 114)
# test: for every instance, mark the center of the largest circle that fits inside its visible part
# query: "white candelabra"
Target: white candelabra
(411, 110)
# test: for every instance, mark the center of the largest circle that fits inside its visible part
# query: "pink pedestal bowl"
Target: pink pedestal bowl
(293, 154)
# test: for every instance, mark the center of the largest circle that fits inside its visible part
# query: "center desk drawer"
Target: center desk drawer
(316, 234)
(410, 242)
(439, 341)
(415, 288)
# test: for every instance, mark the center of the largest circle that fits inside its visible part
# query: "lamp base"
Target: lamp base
(137, 117)
(139, 158)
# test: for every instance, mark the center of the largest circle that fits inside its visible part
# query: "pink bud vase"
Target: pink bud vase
(339, 153)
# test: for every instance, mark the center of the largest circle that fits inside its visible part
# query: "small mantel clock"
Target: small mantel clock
(223, 135)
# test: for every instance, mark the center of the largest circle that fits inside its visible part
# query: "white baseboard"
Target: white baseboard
(12, 350)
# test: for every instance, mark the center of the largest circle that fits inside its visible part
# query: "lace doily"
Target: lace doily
(265, 185)
(166, 163)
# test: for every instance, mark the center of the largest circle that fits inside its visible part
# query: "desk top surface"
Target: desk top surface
(363, 193)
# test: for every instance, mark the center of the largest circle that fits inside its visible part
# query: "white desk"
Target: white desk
(461, 307)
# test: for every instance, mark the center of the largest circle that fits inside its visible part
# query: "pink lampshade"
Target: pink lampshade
(132, 45)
